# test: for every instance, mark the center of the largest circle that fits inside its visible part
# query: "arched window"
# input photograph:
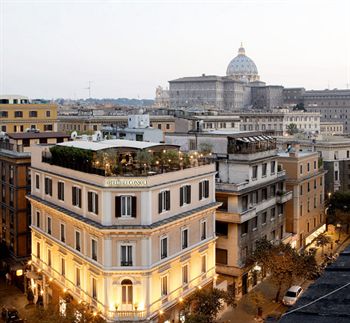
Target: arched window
(127, 291)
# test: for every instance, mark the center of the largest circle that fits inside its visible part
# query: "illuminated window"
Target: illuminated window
(185, 274)
(204, 264)
(127, 292)
(164, 285)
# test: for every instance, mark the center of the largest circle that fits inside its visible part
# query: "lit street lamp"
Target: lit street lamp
(339, 228)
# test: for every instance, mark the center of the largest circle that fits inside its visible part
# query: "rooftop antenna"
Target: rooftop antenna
(89, 88)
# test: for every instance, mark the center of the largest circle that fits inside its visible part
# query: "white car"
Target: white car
(292, 295)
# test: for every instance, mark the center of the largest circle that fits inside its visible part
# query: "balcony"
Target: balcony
(228, 187)
(233, 217)
(281, 173)
(126, 315)
(283, 197)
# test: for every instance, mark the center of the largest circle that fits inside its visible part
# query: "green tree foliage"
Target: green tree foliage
(339, 209)
(323, 240)
(292, 129)
(203, 305)
(283, 263)
(299, 107)
(205, 148)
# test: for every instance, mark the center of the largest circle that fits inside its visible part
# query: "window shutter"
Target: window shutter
(96, 203)
(160, 203)
(181, 196)
(79, 190)
(74, 195)
(133, 207)
(167, 200)
(188, 193)
(117, 206)
(206, 188)
(200, 190)
(90, 201)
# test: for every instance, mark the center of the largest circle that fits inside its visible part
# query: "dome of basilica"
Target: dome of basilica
(242, 68)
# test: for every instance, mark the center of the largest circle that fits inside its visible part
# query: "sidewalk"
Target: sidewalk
(246, 311)
(12, 296)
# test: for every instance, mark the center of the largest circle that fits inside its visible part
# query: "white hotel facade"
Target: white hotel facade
(131, 245)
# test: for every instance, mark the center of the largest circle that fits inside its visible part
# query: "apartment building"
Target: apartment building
(130, 240)
(251, 189)
(17, 114)
(334, 152)
(90, 123)
(305, 178)
(331, 128)
(15, 181)
(279, 120)
(15, 209)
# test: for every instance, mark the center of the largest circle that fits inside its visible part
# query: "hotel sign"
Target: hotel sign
(126, 182)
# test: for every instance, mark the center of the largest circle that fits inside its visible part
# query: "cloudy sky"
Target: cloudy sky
(52, 48)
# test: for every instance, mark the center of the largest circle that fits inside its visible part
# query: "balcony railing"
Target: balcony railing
(126, 263)
(126, 315)
(13, 147)
(284, 197)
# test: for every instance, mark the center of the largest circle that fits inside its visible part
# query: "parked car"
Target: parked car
(292, 295)
(10, 315)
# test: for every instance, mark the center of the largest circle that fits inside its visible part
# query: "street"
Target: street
(246, 312)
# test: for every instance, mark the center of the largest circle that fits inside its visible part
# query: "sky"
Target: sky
(53, 48)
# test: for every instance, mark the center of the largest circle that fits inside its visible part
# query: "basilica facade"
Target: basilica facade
(230, 92)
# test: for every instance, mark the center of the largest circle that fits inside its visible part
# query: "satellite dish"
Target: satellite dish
(73, 135)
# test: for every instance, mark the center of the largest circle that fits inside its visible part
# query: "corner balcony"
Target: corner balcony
(284, 197)
(233, 217)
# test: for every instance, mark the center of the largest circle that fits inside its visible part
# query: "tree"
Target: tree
(299, 107)
(283, 263)
(144, 159)
(292, 129)
(204, 304)
(322, 240)
(339, 209)
(205, 148)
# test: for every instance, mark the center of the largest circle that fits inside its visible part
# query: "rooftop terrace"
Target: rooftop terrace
(122, 157)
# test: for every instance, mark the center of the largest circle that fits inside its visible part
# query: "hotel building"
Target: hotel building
(130, 239)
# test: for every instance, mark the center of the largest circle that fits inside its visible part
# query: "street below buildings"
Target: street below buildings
(246, 311)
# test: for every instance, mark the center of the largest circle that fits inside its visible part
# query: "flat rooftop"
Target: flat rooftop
(302, 153)
(112, 143)
(37, 135)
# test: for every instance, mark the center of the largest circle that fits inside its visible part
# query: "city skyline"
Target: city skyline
(52, 49)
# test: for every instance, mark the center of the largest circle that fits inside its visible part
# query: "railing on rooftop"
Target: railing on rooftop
(9, 146)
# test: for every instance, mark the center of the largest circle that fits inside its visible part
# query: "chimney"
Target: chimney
(294, 151)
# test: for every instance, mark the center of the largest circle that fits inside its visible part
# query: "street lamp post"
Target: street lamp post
(339, 228)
